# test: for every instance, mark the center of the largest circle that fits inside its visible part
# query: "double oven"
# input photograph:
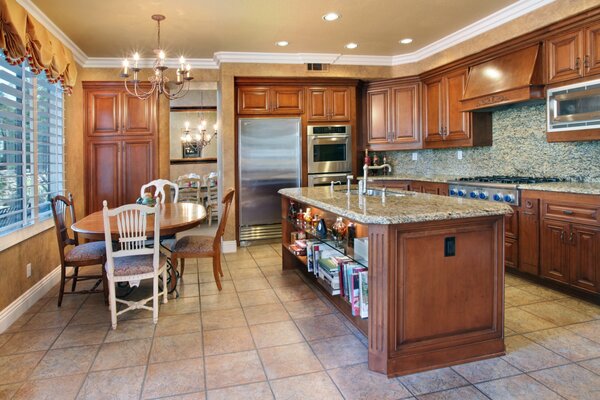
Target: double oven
(329, 154)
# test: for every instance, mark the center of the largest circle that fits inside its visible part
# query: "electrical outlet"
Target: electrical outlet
(28, 268)
(459, 154)
(415, 156)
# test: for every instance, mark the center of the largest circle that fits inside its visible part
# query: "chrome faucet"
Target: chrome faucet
(335, 183)
(348, 183)
(366, 169)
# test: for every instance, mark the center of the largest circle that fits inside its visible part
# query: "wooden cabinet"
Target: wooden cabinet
(529, 236)
(573, 54)
(554, 250)
(270, 100)
(328, 103)
(393, 115)
(121, 137)
(444, 125)
(429, 187)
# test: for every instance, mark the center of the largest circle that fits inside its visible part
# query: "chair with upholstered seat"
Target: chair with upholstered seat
(196, 246)
(81, 255)
(159, 189)
(190, 189)
(134, 260)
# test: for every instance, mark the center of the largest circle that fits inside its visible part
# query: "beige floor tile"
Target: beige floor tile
(307, 308)
(69, 302)
(543, 292)
(312, 386)
(513, 280)
(485, 370)
(242, 264)
(5, 337)
(18, 324)
(63, 388)
(258, 297)
(53, 319)
(124, 383)
(81, 335)
(276, 334)
(321, 327)
(246, 285)
(129, 353)
(529, 356)
(509, 332)
(192, 290)
(208, 277)
(189, 396)
(37, 307)
(231, 340)
(233, 369)
(433, 381)
(356, 382)
(60, 362)
(295, 293)
(28, 341)
(269, 261)
(590, 330)
(266, 313)
(128, 330)
(221, 301)
(85, 317)
(566, 343)
(521, 321)
(178, 324)
(17, 367)
(271, 270)
(187, 278)
(461, 393)
(556, 313)
(176, 347)
(570, 381)
(252, 391)
(516, 387)
(516, 297)
(289, 360)
(211, 288)
(340, 351)
(582, 306)
(182, 305)
(247, 273)
(222, 319)
(289, 279)
(593, 365)
(175, 377)
(8, 391)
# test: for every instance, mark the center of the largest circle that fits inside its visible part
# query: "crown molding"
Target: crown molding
(36, 13)
(507, 14)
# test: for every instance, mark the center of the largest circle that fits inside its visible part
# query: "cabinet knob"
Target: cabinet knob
(577, 63)
(572, 237)
(586, 61)
(562, 236)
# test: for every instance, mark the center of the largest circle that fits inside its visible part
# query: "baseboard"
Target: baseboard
(18, 307)
(229, 246)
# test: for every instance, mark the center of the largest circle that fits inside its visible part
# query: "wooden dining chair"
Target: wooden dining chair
(134, 260)
(82, 255)
(212, 199)
(190, 189)
(196, 246)
(159, 187)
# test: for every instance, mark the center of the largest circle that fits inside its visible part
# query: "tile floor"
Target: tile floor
(270, 335)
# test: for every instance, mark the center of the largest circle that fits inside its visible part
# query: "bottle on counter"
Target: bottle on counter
(367, 159)
(385, 162)
(351, 233)
(321, 229)
(299, 217)
(375, 163)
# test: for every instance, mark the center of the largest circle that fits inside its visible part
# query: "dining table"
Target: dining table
(174, 218)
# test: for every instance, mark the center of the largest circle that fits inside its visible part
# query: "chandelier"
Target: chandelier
(159, 81)
(196, 142)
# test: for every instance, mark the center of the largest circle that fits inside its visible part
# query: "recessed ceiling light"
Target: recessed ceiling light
(406, 41)
(282, 43)
(351, 46)
(331, 16)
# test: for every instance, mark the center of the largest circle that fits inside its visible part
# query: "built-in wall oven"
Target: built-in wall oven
(329, 154)
(326, 179)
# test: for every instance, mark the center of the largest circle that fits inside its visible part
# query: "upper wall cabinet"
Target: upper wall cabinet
(329, 103)
(393, 115)
(574, 54)
(288, 100)
(115, 112)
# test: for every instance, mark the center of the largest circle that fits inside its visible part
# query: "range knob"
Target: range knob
(462, 192)
(509, 198)
(474, 194)
(498, 197)
(453, 192)
(483, 195)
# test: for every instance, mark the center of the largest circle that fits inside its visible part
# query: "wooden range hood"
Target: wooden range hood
(508, 79)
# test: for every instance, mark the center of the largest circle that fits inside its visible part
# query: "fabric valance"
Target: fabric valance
(22, 36)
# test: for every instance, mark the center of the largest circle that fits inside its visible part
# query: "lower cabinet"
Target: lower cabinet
(555, 250)
(584, 255)
(429, 187)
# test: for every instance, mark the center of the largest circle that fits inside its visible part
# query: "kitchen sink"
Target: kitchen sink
(375, 193)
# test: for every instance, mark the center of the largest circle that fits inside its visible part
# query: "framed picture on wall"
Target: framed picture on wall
(190, 152)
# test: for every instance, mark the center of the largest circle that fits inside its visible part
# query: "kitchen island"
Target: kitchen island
(435, 272)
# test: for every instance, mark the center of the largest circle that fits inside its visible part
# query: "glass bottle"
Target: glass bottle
(339, 230)
(307, 218)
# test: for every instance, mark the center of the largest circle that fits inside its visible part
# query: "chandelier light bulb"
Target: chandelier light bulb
(187, 125)
(181, 60)
(215, 127)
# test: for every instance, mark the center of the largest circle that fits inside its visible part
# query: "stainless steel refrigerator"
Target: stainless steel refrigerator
(269, 158)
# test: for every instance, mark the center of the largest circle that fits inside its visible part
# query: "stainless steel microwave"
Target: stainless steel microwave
(574, 107)
(329, 148)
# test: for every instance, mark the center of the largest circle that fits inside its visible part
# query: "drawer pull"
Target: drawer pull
(568, 212)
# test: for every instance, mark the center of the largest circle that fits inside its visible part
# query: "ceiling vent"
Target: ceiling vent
(317, 67)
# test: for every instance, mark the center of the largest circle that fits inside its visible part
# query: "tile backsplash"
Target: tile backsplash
(519, 148)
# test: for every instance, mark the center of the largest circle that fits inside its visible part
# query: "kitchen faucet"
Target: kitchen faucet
(335, 183)
(366, 169)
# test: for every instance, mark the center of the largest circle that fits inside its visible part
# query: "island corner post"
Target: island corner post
(436, 287)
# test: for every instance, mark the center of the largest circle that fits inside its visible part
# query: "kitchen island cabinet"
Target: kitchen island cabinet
(435, 274)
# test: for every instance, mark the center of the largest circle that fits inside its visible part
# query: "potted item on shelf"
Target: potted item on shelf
(339, 230)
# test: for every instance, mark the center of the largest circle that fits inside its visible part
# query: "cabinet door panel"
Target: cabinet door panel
(288, 100)
(511, 253)
(562, 54)
(103, 179)
(103, 111)
(529, 236)
(511, 224)
(432, 110)
(253, 100)
(317, 104)
(405, 114)
(377, 116)
(138, 168)
(339, 104)
(554, 250)
(585, 257)
(457, 125)
(592, 53)
(139, 115)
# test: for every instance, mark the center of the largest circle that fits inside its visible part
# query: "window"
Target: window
(31, 146)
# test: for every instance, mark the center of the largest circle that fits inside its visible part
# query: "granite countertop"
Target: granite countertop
(592, 188)
(411, 207)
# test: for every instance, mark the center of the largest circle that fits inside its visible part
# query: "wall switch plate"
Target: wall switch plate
(459, 154)
(450, 246)
(28, 268)
(415, 156)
